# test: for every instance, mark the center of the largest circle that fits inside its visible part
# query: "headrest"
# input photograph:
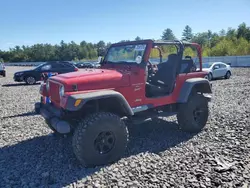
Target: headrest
(172, 56)
(188, 57)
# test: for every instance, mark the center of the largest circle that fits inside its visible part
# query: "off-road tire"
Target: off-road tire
(30, 80)
(186, 117)
(228, 74)
(87, 131)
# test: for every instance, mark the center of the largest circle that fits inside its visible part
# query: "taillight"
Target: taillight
(76, 69)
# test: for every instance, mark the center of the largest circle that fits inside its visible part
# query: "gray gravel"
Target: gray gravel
(159, 155)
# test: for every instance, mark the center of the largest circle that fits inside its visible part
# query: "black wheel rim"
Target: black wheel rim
(198, 114)
(104, 142)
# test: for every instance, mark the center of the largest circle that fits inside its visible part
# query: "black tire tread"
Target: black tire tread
(226, 75)
(81, 128)
(211, 76)
(185, 120)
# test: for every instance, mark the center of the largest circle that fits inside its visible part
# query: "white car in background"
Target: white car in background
(216, 70)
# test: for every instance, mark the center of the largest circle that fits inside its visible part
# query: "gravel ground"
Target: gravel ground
(159, 155)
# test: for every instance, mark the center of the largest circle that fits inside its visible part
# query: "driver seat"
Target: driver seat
(163, 82)
(187, 65)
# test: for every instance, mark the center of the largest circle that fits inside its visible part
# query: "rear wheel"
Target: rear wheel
(193, 115)
(30, 80)
(228, 74)
(100, 139)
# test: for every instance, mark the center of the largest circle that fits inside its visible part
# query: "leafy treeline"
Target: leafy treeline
(47, 52)
(230, 42)
(225, 43)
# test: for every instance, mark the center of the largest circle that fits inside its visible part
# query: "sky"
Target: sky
(28, 22)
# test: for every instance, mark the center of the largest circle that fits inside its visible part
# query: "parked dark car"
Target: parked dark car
(83, 65)
(34, 75)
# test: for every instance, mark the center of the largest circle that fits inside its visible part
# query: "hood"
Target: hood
(204, 69)
(25, 71)
(91, 79)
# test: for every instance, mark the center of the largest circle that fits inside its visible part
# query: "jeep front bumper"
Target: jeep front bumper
(54, 117)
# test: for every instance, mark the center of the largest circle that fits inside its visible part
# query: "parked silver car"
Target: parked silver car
(216, 70)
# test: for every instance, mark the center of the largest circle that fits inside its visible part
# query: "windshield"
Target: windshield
(125, 54)
(37, 67)
(205, 65)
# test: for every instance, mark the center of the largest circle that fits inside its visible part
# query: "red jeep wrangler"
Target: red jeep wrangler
(137, 80)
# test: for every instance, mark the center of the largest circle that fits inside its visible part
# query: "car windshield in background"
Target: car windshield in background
(37, 67)
(205, 65)
(125, 54)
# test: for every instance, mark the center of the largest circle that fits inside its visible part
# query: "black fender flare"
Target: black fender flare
(200, 84)
(96, 95)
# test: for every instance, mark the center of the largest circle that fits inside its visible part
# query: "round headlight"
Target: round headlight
(61, 91)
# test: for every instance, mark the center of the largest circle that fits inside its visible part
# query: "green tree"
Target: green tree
(83, 54)
(83, 43)
(108, 45)
(243, 31)
(222, 33)
(101, 46)
(231, 33)
(187, 34)
(168, 34)
(201, 38)
(138, 38)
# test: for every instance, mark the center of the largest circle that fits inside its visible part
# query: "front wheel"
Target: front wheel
(30, 80)
(210, 76)
(193, 115)
(100, 139)
(228, 74)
